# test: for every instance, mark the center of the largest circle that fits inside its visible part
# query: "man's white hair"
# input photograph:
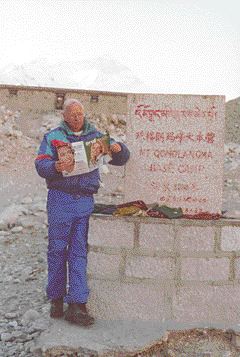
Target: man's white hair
(70, 101)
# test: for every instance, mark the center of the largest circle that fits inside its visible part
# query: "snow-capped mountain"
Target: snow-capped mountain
(95, 74)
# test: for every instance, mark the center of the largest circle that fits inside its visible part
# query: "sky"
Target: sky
(174, 46)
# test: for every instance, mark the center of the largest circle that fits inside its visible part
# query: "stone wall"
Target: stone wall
(180, 270)
(37, 100)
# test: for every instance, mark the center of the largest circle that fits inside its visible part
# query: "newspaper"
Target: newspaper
(86, 156)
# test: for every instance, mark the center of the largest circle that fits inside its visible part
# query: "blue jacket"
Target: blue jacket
(86, 184)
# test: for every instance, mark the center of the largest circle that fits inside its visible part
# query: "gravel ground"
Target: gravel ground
(23, 305)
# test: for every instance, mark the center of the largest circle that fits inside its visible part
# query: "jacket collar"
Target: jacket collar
(87, 128)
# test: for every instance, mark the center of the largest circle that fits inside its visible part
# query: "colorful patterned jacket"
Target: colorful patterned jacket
(80, 184)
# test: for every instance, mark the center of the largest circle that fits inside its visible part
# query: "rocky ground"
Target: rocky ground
(231, 190)
(23, 226)
(23, 307)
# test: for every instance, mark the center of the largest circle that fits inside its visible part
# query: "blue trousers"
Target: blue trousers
(68, 220)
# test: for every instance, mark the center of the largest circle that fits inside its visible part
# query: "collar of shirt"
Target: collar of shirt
(77, 132)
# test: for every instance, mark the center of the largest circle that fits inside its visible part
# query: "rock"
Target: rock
(26, 145)
(13, 324)
(12, 351)
(16, 281)
(119, 189)
(40, 227)
(30, 315)
(4, 233)
(6, 337)
(39, 206)
(3, 226)
(10, 215)
(27, 200)
(37, 199)
(11, 315)
(39, 214)
(17, 133)
(40, 325)
(115, 119)
(19, 335)
(17, 229)
(20, 346)
(29, 346)
(26, 222)
(27, 270)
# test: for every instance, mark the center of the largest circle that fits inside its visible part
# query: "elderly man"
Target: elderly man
(69, 205)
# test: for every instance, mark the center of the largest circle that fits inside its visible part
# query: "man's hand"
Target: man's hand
(63, 166)
(115, 147)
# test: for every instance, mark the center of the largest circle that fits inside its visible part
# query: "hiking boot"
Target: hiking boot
(77, 313)
(56, 309)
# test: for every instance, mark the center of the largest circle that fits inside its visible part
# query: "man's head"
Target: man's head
(65, 154)
(97, 148)
(73, 114)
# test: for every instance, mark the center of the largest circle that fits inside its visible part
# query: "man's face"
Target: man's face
(74, 117)
(65, 154)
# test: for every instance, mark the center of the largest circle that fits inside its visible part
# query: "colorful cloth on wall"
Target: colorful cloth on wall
(167, 212)
(140, 208)
(104, 208)
(203, 215)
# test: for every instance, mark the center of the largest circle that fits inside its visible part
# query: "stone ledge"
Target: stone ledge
(176, 221)
(203, 254)
(134, 338)
(207, 283)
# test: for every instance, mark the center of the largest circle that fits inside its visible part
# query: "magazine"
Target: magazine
(86, 156)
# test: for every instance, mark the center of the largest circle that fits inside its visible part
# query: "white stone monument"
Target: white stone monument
(177, 151)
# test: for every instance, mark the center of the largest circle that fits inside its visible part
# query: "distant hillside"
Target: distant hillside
(232, 124)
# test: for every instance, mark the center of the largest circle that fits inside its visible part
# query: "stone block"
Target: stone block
(148, 267)
(103, 264)
(196, 238)
(159, 237)
(230, 238)
(205, 268)
(112, 300)
(237, 268)
(174, 172)
(111, 232)
(207, 304)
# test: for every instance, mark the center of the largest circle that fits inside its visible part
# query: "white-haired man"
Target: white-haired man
(69, 205)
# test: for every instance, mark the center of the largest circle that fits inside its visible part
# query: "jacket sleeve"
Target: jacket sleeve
(120, 158)
(44, 162)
